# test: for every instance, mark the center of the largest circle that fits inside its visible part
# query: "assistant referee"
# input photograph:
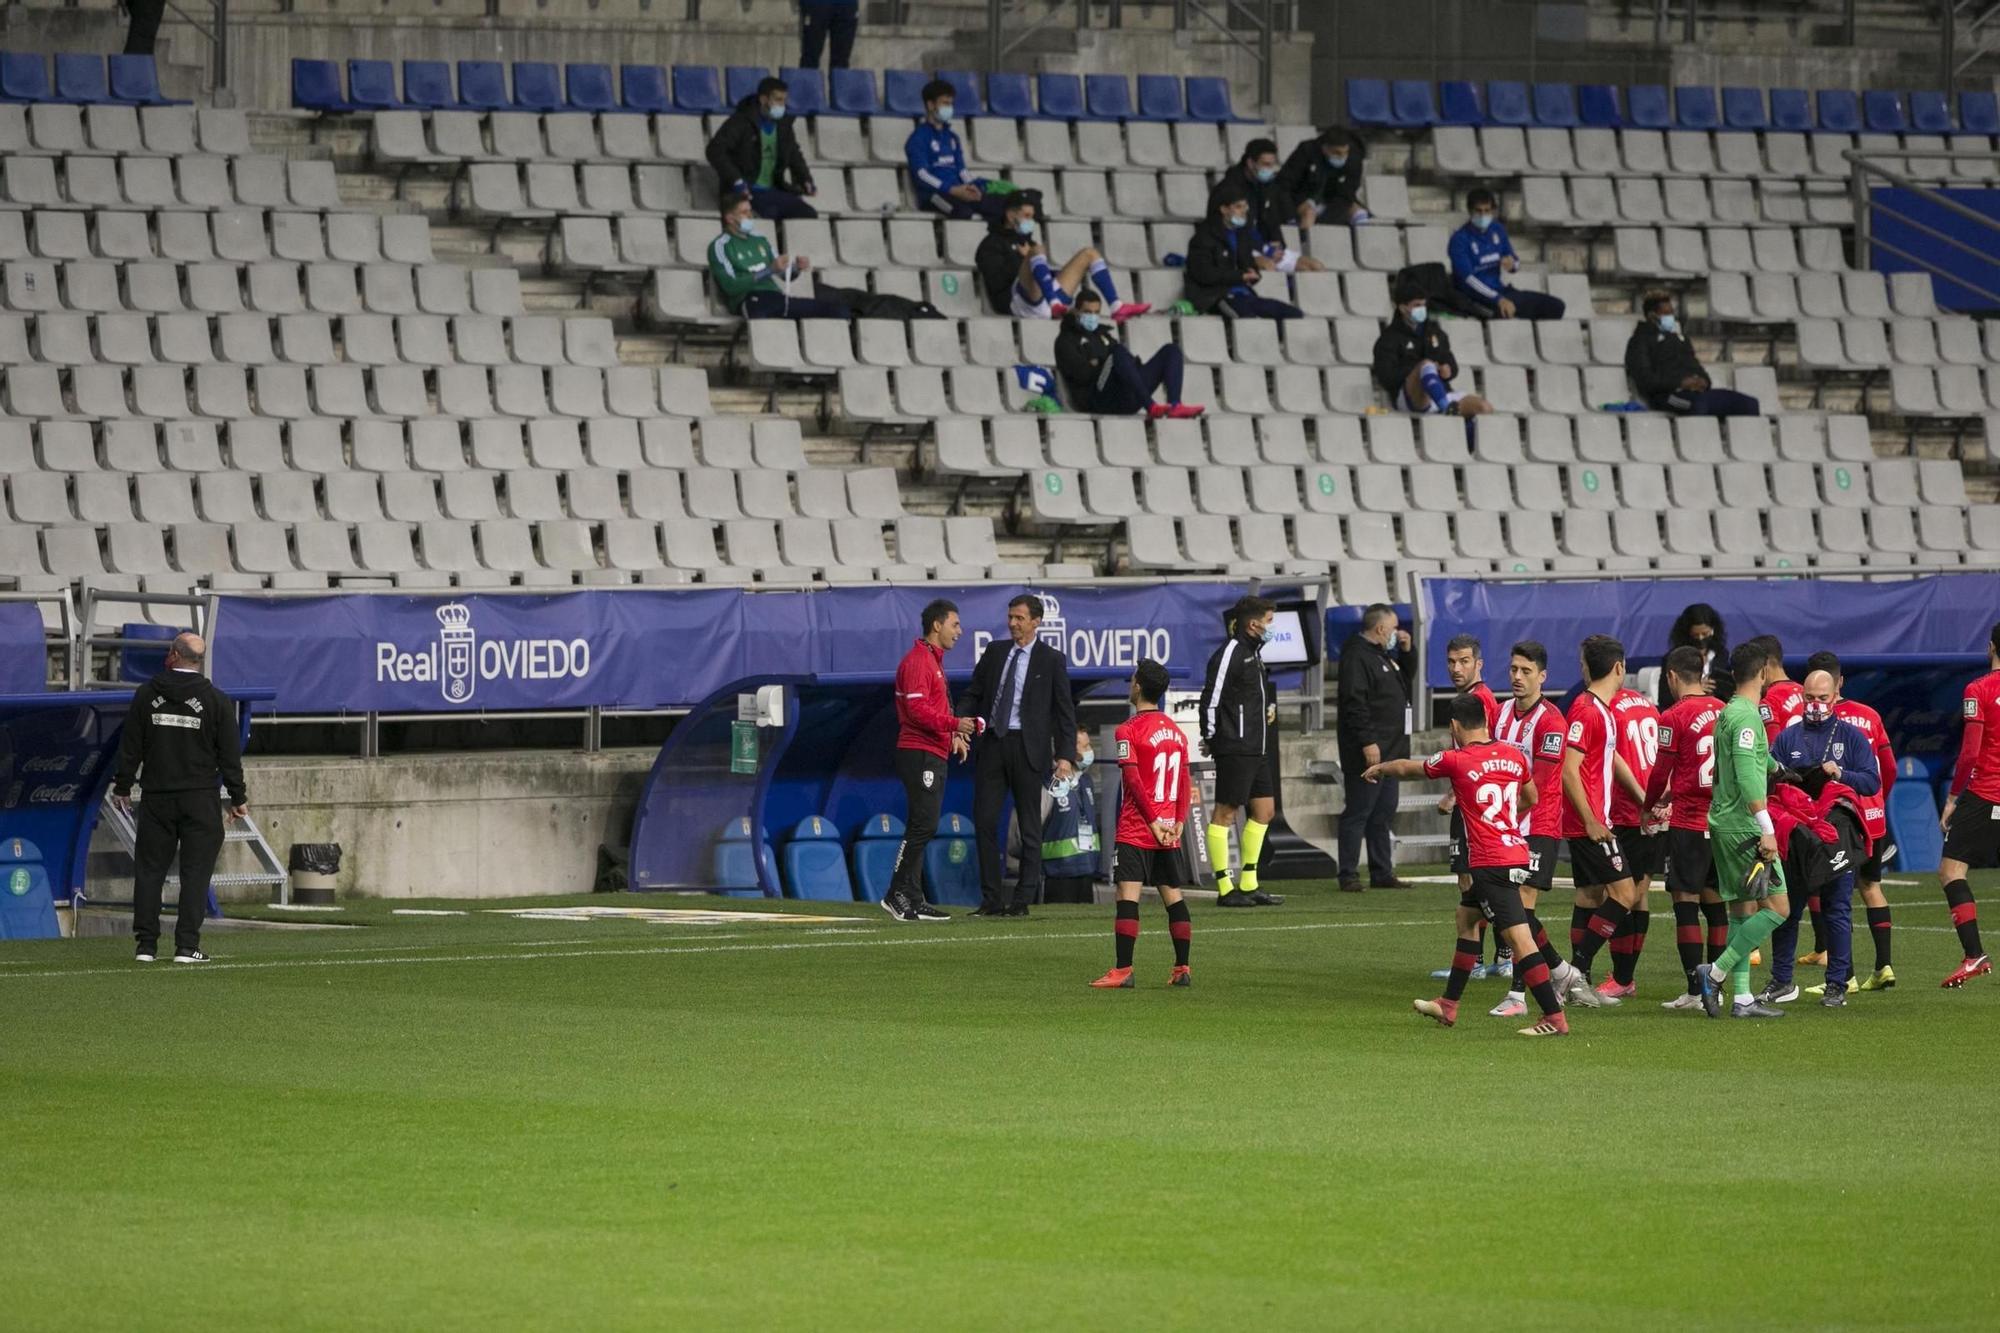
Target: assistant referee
(1239, 718)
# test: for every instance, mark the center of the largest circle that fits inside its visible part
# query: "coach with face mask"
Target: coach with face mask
(1376, 668)
(1665, 373)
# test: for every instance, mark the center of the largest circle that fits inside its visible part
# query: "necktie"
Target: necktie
(1003, 707)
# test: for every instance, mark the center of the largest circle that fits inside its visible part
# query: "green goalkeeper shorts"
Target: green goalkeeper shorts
(1735, 859)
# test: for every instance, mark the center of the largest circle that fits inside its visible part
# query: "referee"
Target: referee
(926, 735)
(1239, 715)
(180, 737)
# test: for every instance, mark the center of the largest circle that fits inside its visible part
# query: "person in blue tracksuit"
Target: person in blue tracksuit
(1481, 258)
(937, 162)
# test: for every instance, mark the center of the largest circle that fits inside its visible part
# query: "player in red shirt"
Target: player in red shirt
(1465, 664)
(1972, 813)
(1638, 724)
(926, 735)
(1152, 816)
(1783, 699)
(1532, 724)
(1679, 789)
(1589, 774)
(1491, 780)
(1875, 819)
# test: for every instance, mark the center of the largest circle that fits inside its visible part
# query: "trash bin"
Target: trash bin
(313, 866)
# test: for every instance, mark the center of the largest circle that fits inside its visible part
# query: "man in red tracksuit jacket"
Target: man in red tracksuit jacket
(926, 736)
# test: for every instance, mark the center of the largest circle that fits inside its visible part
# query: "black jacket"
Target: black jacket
(1048, 708)
(180, 735)
(1271, 207)
(1657, 362)
(1081, 359)
(998, 260)
(1236, 697)
(1401, 348)
(736, 151)
(1218, 256)
(1374, 698)
(1306, 175)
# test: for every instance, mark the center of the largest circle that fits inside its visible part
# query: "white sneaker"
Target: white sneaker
(191, 956)
(1682, 1001)
(1512, 1005)
(141, 956)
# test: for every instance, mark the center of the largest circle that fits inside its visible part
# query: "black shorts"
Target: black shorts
(1242, 778)
(1161, 867)
(1974, 835)
(1595, 864)
(1643, 851)
(1870, 871)
(1541, 863)
(1690, 863)
(1461, 863)
(1496, 892)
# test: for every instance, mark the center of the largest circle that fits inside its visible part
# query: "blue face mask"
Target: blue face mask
(1336, 163)
(944, 112)
(1085, 760)
(1087, 321)
(1265, 175)
(1418, 314)
(777, 112)
(748, 226)
(1026, 226)
(1668, 324)
(1238, 219)
(1482, 220)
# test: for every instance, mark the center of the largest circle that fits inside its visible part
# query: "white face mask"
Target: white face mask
(1085, 760)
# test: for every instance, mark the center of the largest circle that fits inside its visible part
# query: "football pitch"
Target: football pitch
(485, 1121)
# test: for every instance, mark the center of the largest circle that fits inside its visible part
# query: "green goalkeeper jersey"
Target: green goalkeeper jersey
(1742, 766)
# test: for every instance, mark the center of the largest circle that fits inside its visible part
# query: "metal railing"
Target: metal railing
(1868, 164)
(215, 31)
(1688, 16)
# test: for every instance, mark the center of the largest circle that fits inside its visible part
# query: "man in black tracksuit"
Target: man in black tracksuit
(1667, 375)
(1414, 364)
(756, 152)
(1222, 273)
(1239, 732)
(1374, 725)
(1323, 178)
(181, 739)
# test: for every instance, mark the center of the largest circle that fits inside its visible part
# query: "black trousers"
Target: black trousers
(1370, 812)
(145, 25)
(187, 823)
(922, 775)
(1001, 769)
(818, 22)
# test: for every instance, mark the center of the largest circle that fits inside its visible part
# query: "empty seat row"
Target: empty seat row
(199, 182)
(1783, 297)
(1869, 343)
(171, 131)
(80, 77)
(240, 235)
(1784, 157)
(270, 287)
(1946, 391)
(1683, 201)
(1688, 251)
(1410, 104)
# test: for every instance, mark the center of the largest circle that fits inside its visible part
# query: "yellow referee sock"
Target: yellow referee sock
(1218, 857)
(1253, 849)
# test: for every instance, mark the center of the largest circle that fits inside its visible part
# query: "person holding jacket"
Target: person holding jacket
(747, 272)
(1099, 373)
(1323, 178)
(937, 163)
(1239, 719)
(1374, 725)
(1414, 364)
(756, 152)
(1018, 279)
(1256, 175)
(1482, 254)
(1665, 373)
(1222, 271)
(927, 733)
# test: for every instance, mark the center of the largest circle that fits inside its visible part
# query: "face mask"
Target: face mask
(1257, 632)
(1337, 162)
(1265, 175)
(1026, 226)
(944, 112)
(1085, 760)
(1418, 314)
(1818, 713)
(1239, 219)
(1087, 322)
(748, 226)
(1482, 220)
(777, 112)
(1668, 324)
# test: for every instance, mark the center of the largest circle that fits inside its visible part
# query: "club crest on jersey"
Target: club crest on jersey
(1552, 743)
(1576, 732)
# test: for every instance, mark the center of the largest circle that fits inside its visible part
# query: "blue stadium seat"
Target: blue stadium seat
(736, 862)
(1208, 99)
(951, 864)
(876, 844)
(371, 84)
(855, 93)
(1367, 101)
(1109, 96)
(316, 86)
(1882, 112)
(537, 86)
(1507, 102)
(740, 81)
(642, 88)
(1060, 96)
(1597, 104)
(1555, 106)
(969, 88)
(135, 80)
(1978, 113)
(1161, 97)
(903, 91)
(80, 78)
(1010, 95)
(697, 89)
(1930, 113)
(427, 84)
(1913, 819)
(1743, 109)
(482, 85)
(1839, 111)
(806, 91)
(28, 913)
(1695, 108)
(588, 88)
(24, 77)
(1791, 110)
(1411, 103)
(815, 863)
(1646, 107)
(1460, 103)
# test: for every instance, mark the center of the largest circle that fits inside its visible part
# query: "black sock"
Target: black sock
(1464, 957)
(1879, 930)
(1600, 926)
(1579, 926)
(1818, 925)
(1965, 916)
(1549, 954)
(1181, 927)
(1687, 937)
(1127, 931)
(1622, 956)
(1536, 980)
(1717, 917)
(1638, 924)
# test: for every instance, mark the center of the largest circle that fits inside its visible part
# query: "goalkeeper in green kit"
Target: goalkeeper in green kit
(1748, 873)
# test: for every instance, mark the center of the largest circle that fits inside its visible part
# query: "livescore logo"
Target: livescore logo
(458, 659)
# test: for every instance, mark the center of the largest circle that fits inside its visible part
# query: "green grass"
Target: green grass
(487, 1123)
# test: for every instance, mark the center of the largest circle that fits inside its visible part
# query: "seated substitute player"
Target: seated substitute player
(1743, 840)
(1100, 374)
(756, 152)
(1875, 819)
(1490, 779)
(1414, 364)
(1639, 838)
(746, 271)
(1323, 177)
(1256, 175)
(1223, 272)
(1665, 374)
(1238, 717)
(936, 159)
(1481, 254)
(1591, 768)
(1018, 279)
(1152, 815)
(1971, 818)
(1684, 777)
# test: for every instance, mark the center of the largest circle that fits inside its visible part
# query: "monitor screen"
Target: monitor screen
(1286, 644)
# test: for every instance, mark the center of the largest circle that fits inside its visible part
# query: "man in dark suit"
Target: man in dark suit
(1374, 726)
(1021, 689)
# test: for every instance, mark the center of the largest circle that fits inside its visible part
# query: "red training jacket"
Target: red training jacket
(924, 719)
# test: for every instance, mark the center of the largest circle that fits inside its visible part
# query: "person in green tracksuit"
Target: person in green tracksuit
(1748, 872)
(748, 272)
